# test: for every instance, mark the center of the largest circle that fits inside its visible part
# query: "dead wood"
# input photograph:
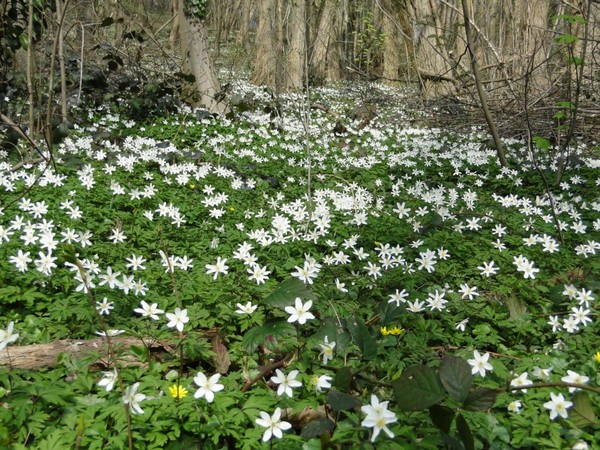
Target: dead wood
(38, 356)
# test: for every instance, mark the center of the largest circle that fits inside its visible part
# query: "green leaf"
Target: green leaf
(569, 18)
(543, 144)
(480, 399)
(362, 338)
(340, 401)
(456, 377)
(559, 115)
(418, 387)
(565, 104)
(566, 39)
(55, 441)
(24, 41)
(287, 292)
(576, 60)
(442, 417)
(389, 312)
(316, 428)
(451, 443)
(516, 307)
(343, 379)
(267, 334)
(582, 413)
(464, 432)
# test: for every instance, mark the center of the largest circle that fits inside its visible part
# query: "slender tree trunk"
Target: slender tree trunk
(392, 42)
(294, 80)
(197, 61)
(488, 115)
(61, 61)
(33, 132)
(217, 10)
(175, 26)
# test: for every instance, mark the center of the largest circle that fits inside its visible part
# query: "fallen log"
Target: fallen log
(38, 356)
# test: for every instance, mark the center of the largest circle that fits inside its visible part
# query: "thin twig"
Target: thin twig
(268, 369)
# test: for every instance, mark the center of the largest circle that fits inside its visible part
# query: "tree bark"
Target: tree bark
(268, 58)
(294, 80)
(175, 27)
(244, 28)
(326, 53)
(197, 61)
(392, 43)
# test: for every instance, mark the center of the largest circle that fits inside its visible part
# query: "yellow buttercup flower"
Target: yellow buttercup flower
(395, 331)
(177, 391)
(597, 357)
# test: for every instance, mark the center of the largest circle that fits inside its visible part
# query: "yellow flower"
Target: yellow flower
(192, 186)
(597, 357)
(178, 391)
(231, 208)
(395, 331)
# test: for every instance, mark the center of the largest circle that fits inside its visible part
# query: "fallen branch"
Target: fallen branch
(31, 162)
(38, 356)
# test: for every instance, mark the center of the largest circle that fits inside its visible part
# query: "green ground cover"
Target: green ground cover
(389, 286)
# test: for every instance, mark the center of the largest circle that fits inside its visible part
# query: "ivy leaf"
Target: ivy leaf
(582, 413)
(456, 377)
(418, 387)
(362, 338)
(480, 399)
(287, 292)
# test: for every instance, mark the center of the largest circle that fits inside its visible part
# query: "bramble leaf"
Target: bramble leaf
(418, 387)
(456, 377)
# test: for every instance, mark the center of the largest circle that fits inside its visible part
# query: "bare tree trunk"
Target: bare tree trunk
(175, 26)
(393, 40)
(296, 56)
(244, 28)
(61, 61)
(433, 62)
(217, 20)
(33, 131)
(268, 57)
(326, 53)
(197, 61)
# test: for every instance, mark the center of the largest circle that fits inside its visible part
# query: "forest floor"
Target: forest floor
(301, 274)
